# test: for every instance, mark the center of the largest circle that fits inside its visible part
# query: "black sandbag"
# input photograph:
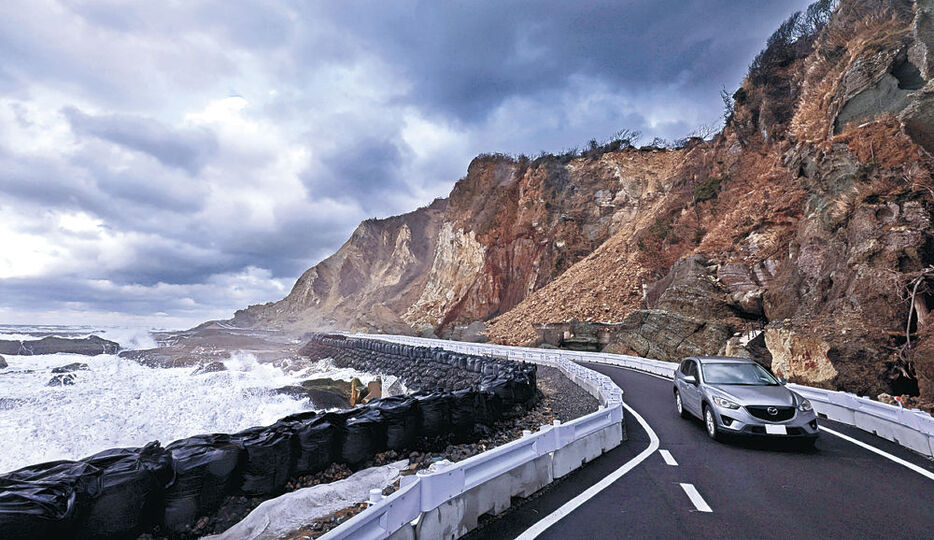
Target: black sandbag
(434, 412)
(132, 485)
(402, 420)
(524, 385)
(267, 458)
(205, 469)
(463, 410)
(493, 406)
(30, 510)
(364, 435)
(316, 440)
(504, 388)
(485, 415)
(82, 479)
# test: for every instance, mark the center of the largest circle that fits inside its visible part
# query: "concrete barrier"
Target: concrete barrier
(447, 504)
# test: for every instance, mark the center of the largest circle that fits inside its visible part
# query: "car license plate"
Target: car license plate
(776, 430)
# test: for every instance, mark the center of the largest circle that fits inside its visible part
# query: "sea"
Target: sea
(118, 402)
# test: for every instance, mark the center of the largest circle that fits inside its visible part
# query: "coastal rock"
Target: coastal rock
(69, 368)
(89, 346)
(324, 393)
(322, 399)
(212, 367)
(65, 379)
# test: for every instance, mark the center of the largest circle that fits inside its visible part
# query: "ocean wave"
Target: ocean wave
(120, 403)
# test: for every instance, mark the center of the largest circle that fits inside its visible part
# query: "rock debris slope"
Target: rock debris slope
(800, 235)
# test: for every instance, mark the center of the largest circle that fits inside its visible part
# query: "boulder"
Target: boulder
(799, 355)
(70, 368)
(3, 363)
(394, 389)
(691, 290)
(668, 336)
(690, 313)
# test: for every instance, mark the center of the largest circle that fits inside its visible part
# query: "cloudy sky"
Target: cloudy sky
(163, 163)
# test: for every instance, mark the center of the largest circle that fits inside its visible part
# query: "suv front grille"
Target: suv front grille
(762, 412)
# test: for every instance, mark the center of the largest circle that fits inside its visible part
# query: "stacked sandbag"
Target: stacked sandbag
(130, 498)
(364, 435)
(434, 412)
(402, 418)
(45, 500)
(266, 458)
(317, 439)
(205, 470)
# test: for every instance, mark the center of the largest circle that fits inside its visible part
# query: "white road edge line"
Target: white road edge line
(669, 459)
(573, 504)
(696, 498)
(900, 461)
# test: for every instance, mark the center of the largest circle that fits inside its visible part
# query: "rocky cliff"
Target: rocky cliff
(801, 234)
(509, 227)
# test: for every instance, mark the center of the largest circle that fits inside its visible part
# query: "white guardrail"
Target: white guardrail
(910, 428)
(447, 503)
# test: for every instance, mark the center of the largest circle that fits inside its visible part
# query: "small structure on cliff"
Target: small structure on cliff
(576, 335)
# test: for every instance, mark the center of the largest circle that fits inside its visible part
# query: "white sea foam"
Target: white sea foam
(127, 336)
(120, 403)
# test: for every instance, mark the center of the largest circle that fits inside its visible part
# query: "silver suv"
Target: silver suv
(738, 396)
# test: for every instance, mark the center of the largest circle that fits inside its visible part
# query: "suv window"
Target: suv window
(692, 368)
(684, 367)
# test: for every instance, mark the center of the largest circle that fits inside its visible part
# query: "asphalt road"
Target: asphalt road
(751, 489)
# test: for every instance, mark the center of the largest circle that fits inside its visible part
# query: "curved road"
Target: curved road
(751, 490)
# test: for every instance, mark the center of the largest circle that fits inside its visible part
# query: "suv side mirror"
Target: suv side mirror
(690, 379)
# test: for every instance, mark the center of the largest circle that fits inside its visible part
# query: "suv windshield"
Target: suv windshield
(746, 374)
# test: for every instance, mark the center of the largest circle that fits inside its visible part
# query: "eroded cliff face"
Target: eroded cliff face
(509, 227)
(802, 235)
(800, 231)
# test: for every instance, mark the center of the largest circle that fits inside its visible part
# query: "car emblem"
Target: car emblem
(772, 410)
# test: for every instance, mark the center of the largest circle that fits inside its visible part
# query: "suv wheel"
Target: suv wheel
(710, 423)
(680, 406)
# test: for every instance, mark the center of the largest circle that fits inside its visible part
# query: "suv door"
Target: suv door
(690, 393)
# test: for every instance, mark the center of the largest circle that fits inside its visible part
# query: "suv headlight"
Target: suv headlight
(804, 405)
(725, 403)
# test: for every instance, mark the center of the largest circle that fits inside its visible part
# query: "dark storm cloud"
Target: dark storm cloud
(366, 170)
(188, 149)
(353, 109)
(465, 58)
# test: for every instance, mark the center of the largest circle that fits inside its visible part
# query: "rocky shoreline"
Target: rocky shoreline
(89, 346)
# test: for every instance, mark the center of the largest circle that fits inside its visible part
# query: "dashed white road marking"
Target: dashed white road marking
(900, 461)
(669, 459)
(696, 498)
(589, 493)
